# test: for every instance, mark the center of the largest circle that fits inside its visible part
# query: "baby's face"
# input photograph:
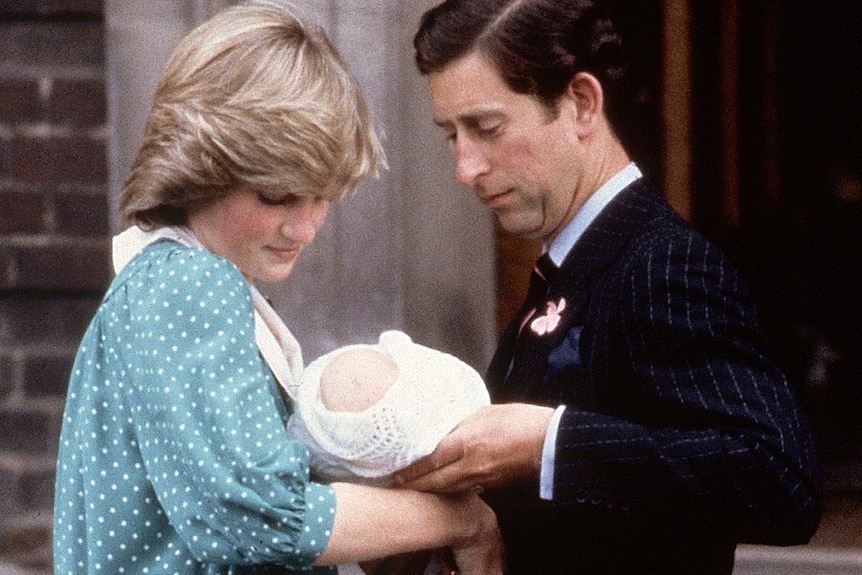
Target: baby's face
(356, 379)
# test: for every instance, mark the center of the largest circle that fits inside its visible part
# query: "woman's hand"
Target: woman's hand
(482, 551)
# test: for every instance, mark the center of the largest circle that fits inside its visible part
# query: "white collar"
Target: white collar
(132, 241)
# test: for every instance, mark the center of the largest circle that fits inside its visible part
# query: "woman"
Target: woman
(172, 454)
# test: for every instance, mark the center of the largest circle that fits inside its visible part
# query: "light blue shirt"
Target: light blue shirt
(558, 250)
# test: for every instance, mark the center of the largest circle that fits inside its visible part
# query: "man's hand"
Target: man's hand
(497, 446)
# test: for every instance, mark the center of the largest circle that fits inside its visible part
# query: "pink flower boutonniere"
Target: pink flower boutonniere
(548, 323)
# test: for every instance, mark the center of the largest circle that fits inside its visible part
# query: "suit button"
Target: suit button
(581, 495)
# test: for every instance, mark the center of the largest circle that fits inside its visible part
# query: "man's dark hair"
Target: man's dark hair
(537, 45)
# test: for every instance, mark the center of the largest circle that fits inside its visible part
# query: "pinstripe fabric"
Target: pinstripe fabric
(680, 438)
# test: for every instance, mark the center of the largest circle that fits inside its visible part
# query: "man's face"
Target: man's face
(520, 161)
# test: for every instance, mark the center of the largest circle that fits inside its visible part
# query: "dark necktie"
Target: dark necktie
(541, 277)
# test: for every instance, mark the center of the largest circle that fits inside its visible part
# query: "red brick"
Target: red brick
(8, 262)
(11, 501)
(19, 6)
(37, 489)
(19, 100)
(54, 43)
(7, 374)
(62, 267)
(47, 376)
(45, 320)
(82, 216)
(4, 157)
(21, 213)
(79, 102)
(66, 6)
(25, 538)
(72, 159)
(27, 432)
(51, 7)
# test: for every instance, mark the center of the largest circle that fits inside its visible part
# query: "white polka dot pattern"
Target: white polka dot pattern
(173, 457)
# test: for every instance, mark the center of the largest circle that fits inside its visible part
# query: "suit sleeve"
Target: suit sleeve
(708, 427)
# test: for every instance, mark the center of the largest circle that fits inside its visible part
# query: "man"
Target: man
(638, 425)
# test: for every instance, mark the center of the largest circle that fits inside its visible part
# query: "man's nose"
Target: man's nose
(470, 163)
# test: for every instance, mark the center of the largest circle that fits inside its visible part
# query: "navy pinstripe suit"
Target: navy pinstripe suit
(680, 438)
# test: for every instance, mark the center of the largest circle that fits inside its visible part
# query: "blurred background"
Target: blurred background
(749, 117)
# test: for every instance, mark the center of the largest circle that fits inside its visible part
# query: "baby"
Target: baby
(366, 411)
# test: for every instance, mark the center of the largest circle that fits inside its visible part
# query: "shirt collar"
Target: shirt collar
(128, 244)
(571, 233)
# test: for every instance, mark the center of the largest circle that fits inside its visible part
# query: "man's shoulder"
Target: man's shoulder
(654, 241)
(636, 222)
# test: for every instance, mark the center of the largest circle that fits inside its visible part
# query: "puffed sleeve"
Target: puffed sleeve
(210, 422)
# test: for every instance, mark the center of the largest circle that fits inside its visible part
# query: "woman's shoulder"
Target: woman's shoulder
(168, 263)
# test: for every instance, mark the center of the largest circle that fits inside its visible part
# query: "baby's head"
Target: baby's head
(366, 411)
(356, 378)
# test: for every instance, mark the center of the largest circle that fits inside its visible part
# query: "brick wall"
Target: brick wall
(54, 259)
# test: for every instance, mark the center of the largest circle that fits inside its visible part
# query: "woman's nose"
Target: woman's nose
(306, 219)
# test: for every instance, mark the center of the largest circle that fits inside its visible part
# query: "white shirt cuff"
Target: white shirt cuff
(549, 451)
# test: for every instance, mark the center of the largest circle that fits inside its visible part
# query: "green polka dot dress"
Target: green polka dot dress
(173, 457)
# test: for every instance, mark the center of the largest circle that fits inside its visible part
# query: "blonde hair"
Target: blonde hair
(253, 97)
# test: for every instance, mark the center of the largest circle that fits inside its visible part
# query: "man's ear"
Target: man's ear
(585, 93)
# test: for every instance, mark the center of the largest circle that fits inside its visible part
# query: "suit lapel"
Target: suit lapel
(595, 250)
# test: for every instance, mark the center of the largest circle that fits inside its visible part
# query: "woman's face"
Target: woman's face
(262, 232)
